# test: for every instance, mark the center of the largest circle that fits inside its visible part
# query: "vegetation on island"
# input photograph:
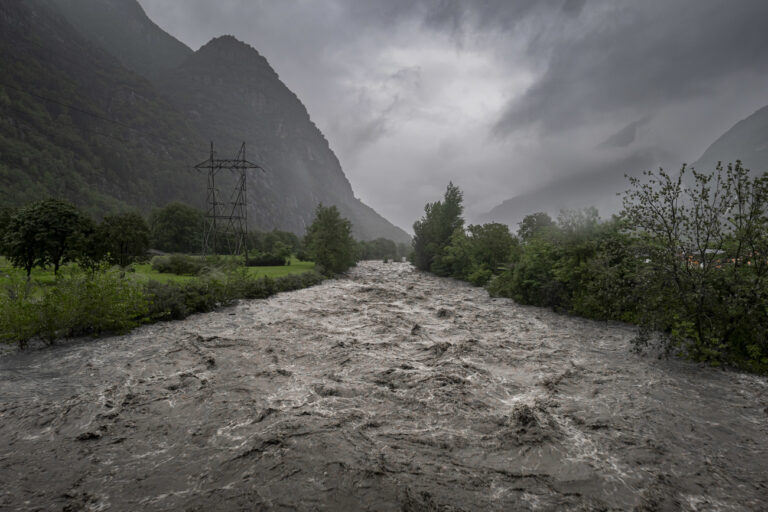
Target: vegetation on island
(686, 260)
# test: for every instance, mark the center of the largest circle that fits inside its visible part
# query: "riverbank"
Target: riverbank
(116, 300)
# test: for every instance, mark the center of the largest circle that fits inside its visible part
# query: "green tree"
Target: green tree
(46, 232)
(176, 228)
(492, 244)
(378, 249)
(125, 237)
(280, 250)
(6, 213)
(433, 232)
(535, 224)
(329, 241)
(706, 241)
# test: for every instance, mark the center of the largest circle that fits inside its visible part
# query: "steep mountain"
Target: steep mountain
(99, 106)
(75, 124)
(232, 94)
(225, 92)
(747, 141)
(123, 29)
(597, 187)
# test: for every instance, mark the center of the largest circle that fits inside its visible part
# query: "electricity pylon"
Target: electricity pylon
(226, 221)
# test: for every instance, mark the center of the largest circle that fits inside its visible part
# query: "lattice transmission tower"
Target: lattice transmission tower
(226, 219)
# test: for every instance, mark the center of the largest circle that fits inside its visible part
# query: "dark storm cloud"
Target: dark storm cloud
(640, 57)
(412, 93)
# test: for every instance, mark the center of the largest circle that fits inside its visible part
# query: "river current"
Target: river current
(388, 389)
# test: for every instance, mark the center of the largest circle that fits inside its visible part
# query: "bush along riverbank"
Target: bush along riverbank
(108, 301)
(686, 260)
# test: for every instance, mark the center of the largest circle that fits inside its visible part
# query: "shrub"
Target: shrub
(179, 264)
(261, 259)
(77, 304)
(18, 312)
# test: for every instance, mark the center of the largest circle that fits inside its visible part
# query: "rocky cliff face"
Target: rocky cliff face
(122, 28)
(232, 95)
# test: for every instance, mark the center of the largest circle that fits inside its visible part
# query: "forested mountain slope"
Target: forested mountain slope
(102, 107)
(75, 124)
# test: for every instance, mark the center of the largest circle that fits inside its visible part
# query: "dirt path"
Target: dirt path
(388, 390)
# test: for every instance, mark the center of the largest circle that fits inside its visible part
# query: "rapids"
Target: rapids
(389, 389)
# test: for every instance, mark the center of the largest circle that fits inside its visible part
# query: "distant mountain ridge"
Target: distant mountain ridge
(167, 102)
(747, 141)
(599, 187)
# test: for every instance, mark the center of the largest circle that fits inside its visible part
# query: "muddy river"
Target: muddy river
(387, 390)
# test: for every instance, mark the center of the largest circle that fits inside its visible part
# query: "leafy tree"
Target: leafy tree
(433, 232)
(534, 225)
(125, 237)
(6, 213)
(456, 259)
(378, 249)
(477, 253)
(492, 243)
(21, 243)
(706, 241)
(265, 241)
(46, 232)
(329, 241)
(176, 228)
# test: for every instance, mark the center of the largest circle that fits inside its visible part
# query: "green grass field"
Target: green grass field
(144, 272)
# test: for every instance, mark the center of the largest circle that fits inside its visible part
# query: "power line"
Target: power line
(76, 109)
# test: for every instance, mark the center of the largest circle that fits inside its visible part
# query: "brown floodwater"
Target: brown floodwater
(390, 390)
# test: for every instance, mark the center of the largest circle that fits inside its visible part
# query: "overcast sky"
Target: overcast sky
(500, 96)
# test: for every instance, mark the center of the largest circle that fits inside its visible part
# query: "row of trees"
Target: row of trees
(443, 245)
(382, 249)
(52, 232)
(687, 260)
